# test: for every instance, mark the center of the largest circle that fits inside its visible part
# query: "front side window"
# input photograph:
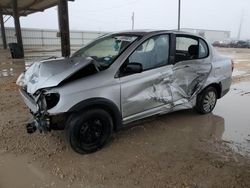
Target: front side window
(189, 48)
(152, 53)
(105, 50)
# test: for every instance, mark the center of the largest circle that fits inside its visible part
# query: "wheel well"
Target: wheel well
(100, 103)
(107, 109)
(217, 86)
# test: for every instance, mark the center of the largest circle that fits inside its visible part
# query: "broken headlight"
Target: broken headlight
(51, 100)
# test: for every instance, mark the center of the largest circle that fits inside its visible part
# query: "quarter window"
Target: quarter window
(203, 49)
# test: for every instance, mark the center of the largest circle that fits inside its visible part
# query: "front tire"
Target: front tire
(206, 100)
(89, 130)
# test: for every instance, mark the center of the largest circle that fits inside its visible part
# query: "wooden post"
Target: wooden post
(64, 27)
(17, 25)
(3, 31)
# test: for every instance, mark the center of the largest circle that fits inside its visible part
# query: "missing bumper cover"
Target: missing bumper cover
(41, 124)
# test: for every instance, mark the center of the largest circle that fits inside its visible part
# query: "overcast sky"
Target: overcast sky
(114, 15)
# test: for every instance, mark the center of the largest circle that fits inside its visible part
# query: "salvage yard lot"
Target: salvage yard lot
(181, 149)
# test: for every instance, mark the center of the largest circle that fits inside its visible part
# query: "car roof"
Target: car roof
(147, 32)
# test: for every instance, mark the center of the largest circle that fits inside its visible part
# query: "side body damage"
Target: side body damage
(55, 89)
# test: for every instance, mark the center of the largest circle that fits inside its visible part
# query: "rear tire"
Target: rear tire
(89, 130)
(206, 100)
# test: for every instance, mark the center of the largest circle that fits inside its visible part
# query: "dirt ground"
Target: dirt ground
(181, 149)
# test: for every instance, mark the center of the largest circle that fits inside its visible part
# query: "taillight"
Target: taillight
(232, 65)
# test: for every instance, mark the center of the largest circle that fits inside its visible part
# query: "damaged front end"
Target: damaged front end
(38, 104)
(36, 88)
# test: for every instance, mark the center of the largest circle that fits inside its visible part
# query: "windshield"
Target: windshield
(105, 50)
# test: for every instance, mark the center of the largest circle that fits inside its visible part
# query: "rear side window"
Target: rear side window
(183, 43)
(190, 48)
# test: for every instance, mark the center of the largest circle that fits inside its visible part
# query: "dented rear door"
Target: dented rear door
(190, 71)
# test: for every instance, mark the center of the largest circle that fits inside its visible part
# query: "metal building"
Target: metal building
(210, 35)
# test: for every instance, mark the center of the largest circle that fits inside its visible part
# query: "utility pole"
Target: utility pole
(179, 15)
(240, 27)
(133, 20)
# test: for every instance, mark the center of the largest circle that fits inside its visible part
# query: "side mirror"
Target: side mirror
(133, 68)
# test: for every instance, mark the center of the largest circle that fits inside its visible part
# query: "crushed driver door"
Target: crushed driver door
(142, 93)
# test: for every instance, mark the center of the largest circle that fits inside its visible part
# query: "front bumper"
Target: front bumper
(29, 101)
(41, 120)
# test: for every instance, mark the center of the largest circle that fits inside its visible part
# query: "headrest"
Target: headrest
(193, 50)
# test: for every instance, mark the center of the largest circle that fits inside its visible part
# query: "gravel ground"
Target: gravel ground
(181, 149)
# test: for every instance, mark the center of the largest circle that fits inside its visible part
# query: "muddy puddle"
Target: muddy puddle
(16, 67)
(7, 72)
(234, 108)
(238, 72)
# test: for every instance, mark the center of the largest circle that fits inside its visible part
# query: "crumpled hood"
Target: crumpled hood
(51, 72)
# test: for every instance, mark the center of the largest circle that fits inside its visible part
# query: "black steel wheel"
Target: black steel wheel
(89, 131)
